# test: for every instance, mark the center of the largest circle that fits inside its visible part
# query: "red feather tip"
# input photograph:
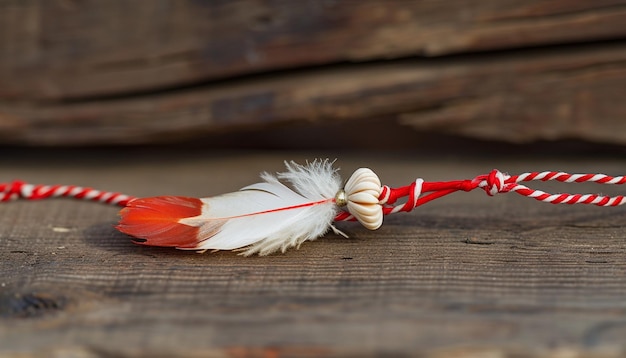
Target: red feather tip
(155, 221)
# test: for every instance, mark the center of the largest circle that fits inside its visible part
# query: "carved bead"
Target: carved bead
(362, 191)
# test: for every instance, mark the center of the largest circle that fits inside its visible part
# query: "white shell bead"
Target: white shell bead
(362, 192)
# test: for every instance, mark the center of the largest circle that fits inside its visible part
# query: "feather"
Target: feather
(154, 221)
(261, 218)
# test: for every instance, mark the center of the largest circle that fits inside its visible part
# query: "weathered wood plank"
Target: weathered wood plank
(470, 274)
(520, 96)
(77, 49)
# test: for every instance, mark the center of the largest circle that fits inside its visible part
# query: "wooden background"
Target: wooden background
(113, 72)
(186, 97)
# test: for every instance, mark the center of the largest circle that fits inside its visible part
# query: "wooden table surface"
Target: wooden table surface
(468, 275)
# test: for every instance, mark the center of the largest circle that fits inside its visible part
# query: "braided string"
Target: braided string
(594, 199)
(20, 190)
(494, 183)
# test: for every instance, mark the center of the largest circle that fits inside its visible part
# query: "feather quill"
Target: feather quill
(261, 218)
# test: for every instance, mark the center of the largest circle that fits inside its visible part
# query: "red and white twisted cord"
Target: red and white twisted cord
(494, 183)
(594, 199)
(20, 190)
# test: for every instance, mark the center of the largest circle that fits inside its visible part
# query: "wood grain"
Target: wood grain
(75, 49)
(468, 275)
(521, 96)
(110, 72)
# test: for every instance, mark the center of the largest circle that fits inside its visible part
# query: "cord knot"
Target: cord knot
(493, 183)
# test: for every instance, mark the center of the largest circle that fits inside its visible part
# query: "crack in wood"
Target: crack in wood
(569, 12)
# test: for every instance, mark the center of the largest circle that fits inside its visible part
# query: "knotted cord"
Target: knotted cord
(421, 192)
(417, 193)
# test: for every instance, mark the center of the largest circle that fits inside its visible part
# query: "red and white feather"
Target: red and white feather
(261, 218)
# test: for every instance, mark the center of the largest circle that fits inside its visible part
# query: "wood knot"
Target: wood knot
(25, 305)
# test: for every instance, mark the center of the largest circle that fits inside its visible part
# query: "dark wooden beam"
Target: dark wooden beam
(517, 96)
(76, 49)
